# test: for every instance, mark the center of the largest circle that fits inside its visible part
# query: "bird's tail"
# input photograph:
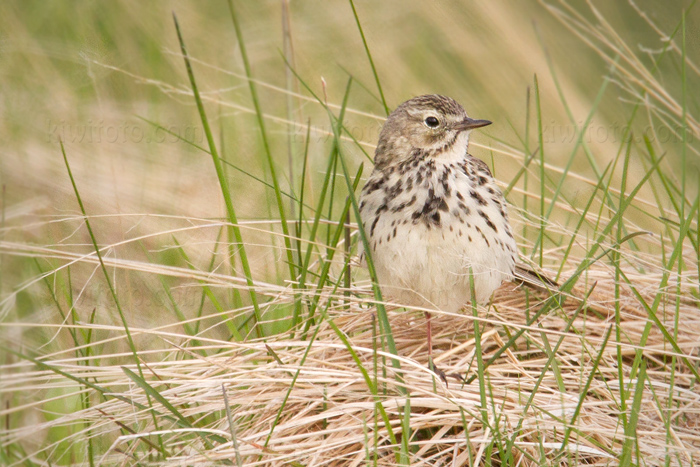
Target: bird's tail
(525, 275)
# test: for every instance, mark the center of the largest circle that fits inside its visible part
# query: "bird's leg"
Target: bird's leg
(431, 365)
(430, 339)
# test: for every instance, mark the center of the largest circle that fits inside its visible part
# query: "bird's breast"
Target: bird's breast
(430, 223)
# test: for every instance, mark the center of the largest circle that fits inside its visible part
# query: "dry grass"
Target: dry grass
(324, 413)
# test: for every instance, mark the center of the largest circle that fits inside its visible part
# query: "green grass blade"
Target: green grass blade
(113, 293)
(183, 421)
(381, 310)
(543, 181)
(266, 144)
(584, 391)
(206, 290)
(369, 57)
(223, 183)
(631, 436)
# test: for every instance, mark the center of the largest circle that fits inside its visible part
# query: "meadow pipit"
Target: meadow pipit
(433, 213)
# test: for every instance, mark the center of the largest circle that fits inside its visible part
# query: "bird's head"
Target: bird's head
(433, 124)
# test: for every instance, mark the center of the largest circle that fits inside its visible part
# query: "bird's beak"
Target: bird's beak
(470, 124)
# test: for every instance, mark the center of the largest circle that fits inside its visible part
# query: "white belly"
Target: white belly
(430, 267)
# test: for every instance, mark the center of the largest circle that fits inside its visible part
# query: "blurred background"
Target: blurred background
(108, 79)
(86, 72)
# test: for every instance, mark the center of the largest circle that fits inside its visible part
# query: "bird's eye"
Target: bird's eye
(432, 122)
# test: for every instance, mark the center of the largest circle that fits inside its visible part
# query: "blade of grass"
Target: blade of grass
(302, 361)
(684, 119)
(206, 290)
(651, 310)
(581, 220)
(334, 238)
(358, 145)
(291, 88)
(405, 451)
(104, 392)
(362, 85)
(580, 141)
(550, 359)
(615, 257)
(602, 234)
(325, 271)
(480, 367)
(231, 426)
(223, 183)
(317, 220)
(175, 307)
(368, 381)
(631, 436)
(556, 300)
(302, 192)
(381, 310)
(540, 237)
(521, 171)
(183, 421)
(223, 161)
(580, 132)
(54, 299)
(266, 144)
(584, 391)
(113, 292)
(369, 57)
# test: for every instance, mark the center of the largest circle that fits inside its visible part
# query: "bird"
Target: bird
(433, 215)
